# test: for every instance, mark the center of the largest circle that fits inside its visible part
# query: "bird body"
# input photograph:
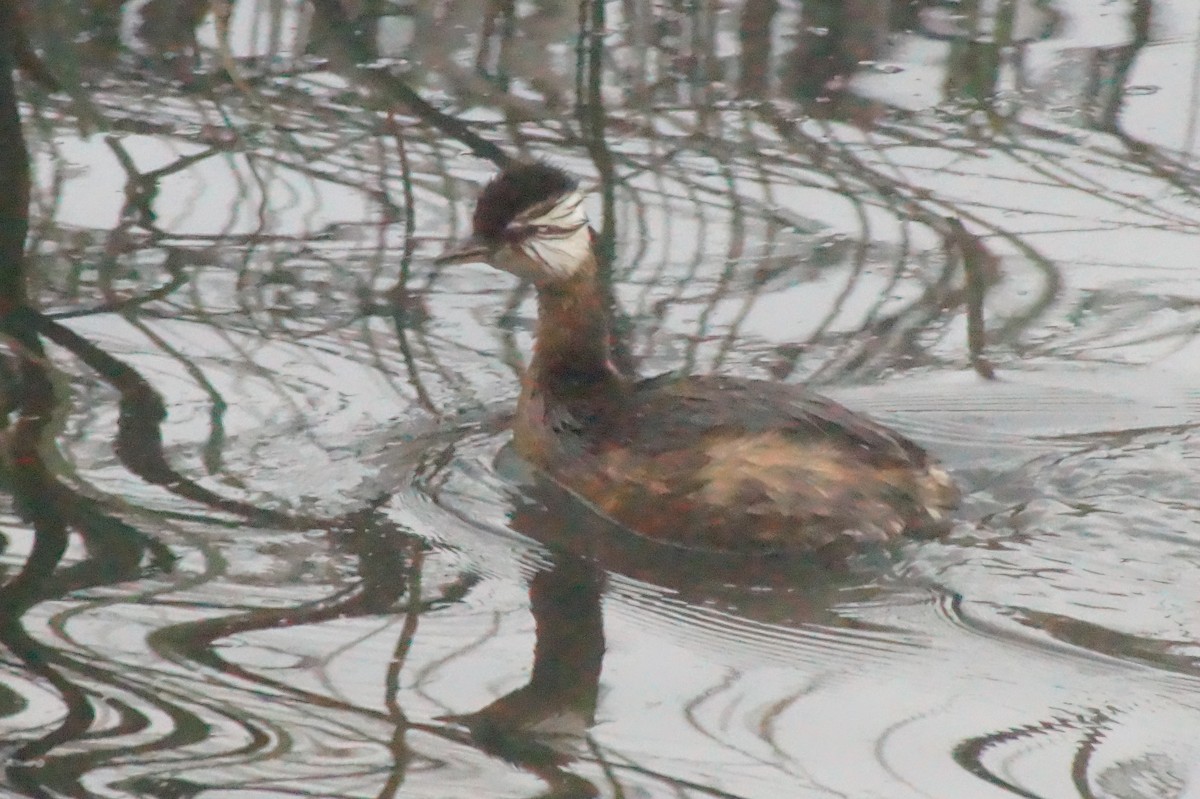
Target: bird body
(704, 462)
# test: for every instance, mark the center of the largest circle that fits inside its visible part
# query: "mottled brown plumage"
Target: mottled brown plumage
(710, 462)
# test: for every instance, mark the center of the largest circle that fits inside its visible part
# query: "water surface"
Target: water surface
(262, 535)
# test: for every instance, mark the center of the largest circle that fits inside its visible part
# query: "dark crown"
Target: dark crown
(519, 187)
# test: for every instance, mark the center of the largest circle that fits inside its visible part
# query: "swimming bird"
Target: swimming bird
(705, 462)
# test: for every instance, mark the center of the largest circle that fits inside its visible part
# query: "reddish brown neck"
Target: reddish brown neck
(571, 353)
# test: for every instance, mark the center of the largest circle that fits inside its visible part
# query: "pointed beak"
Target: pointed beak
(472, 250)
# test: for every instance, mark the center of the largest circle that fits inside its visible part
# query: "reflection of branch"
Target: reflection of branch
(733, 257)
(408, 634)
(395, 90)
(593, 122)
(1181, 175)
(14, 174)
(683, 787)
(336, 177)
(141, 188)
(969, 752)
(172, 265)
(917, 204)
(403, 303)
(977, 263)
(38, 496)
(1068, 173)
(139, 433)
(214, 445)
(862, 243)
(34, 495)
(32, 485)
(1114, 84)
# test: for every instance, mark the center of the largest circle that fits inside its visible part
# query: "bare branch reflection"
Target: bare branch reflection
(260, 529)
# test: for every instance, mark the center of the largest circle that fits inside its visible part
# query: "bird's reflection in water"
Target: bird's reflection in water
(542, 727)
(537, 725)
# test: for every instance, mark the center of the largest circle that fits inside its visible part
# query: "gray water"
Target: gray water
(323, 574)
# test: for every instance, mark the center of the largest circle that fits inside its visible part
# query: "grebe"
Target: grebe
(703, 462)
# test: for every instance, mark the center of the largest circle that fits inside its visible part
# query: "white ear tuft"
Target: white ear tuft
(555, 235)
(561, 256)
(565, 211)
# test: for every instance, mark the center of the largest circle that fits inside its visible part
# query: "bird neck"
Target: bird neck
(571, 353)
